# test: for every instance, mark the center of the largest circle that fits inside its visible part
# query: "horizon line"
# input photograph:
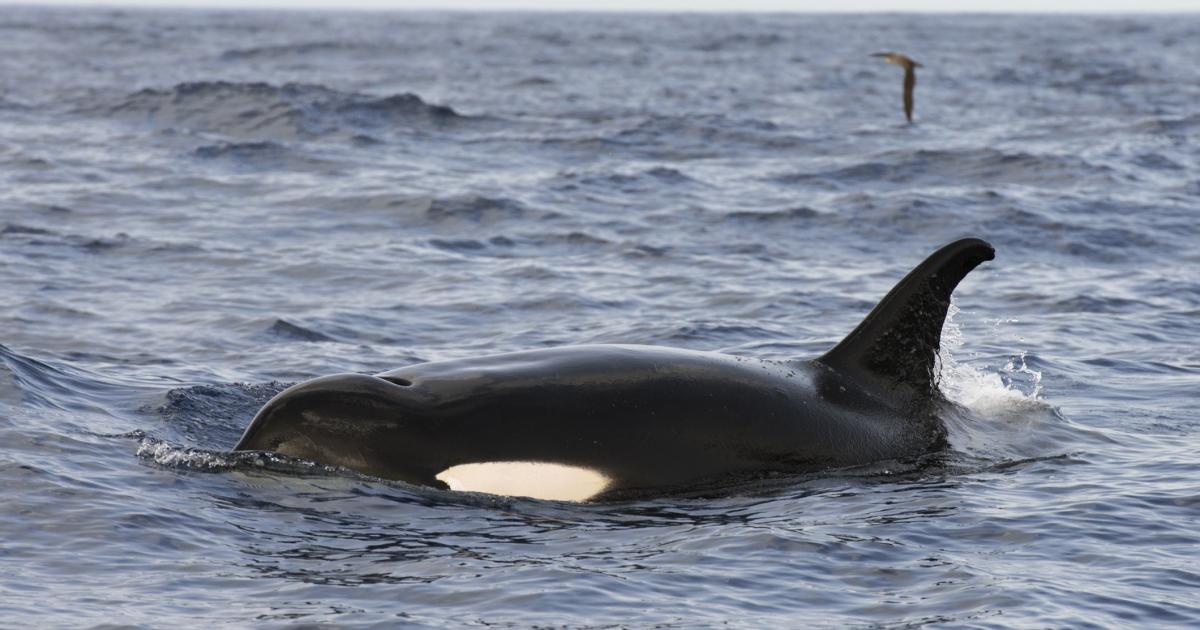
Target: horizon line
(351, 6)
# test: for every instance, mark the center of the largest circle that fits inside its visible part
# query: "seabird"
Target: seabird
(910, 77)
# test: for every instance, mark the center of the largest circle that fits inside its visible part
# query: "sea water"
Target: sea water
(199, 208)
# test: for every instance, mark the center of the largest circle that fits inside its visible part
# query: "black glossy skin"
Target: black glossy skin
(645, 416)
(651, 419)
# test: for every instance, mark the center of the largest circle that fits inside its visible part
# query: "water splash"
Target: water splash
(175, 456)
(999, 414)
(183, 458)
(1014, 385)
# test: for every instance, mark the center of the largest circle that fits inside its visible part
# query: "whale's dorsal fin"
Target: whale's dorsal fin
(893, 350)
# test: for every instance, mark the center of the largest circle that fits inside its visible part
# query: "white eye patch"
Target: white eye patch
(539, 480)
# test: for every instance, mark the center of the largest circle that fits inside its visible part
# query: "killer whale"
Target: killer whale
(598, 422)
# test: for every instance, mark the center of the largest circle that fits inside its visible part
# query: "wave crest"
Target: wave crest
(266, 111)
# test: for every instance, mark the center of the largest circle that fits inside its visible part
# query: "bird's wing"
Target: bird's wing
(910, 82)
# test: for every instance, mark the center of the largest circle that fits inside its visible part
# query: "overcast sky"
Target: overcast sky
(999, 6)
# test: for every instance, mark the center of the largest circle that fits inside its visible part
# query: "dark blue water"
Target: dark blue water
(199, 208)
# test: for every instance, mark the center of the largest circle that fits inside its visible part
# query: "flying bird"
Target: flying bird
(910, 77)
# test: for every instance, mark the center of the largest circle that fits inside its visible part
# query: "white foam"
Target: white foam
(172, 456)
(1007, 418)
(1015, 385)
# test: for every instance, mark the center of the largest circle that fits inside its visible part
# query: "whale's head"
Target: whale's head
(343, 419)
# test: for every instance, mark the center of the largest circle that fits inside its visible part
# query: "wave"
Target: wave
(785, 215)
(575, 239)
(1157, 162)
(711, 130)
(199, 415)
(287, 330)
(745, 41)
(212, 415)
(470, 245)
(241, 151)
(20, 161)
(16, 228)
(1096, 304)
(679, 137)
(54, 385)
(1082, 237)
(1091, 78)
(266, 111)
(1077, 72)
(952, 167)
(480, 209)
(442, 214)
(287, 51)
(45, 237)
(534, 81)
(11, 105)
(652, 179)
(264, 155)
(700, 334)
(1171, 126)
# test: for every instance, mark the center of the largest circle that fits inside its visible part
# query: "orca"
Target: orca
(603, 422)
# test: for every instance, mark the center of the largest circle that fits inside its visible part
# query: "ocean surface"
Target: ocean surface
(199, 208)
